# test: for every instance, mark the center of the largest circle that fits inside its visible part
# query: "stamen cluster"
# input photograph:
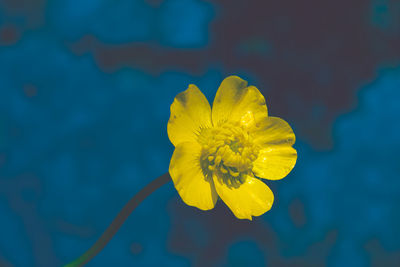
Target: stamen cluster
(228, 152)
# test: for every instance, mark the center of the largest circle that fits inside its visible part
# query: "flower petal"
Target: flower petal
(273, 131)
(236, 102)
(189, 179)
(190, 112)
(252, 198)
(275, 162)
(277, 157)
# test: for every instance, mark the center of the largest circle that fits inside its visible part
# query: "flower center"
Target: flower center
(227, 151)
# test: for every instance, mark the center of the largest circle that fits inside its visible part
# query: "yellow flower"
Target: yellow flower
(222, 152)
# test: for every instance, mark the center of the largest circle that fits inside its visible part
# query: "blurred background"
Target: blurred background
(85, 90)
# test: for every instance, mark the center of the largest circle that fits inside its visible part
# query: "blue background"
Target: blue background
(85, 90)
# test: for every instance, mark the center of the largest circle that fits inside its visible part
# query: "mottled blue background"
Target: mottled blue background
(85, 90)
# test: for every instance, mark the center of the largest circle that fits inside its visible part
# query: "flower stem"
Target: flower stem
(119, 220)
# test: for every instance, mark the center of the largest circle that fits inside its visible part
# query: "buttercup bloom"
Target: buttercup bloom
(224, 151)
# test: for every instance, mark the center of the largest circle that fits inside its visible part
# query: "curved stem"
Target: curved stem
(119, 220)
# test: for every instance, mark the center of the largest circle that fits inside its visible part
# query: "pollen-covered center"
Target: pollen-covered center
(227, 151)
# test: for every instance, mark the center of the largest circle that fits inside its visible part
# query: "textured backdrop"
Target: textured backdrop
(85, 90)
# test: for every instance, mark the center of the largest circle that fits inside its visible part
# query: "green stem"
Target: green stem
(119, 220)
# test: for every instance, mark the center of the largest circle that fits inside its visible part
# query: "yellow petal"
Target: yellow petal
(252, 198)
(188, 177)
(276, 158)
(273, 131)
(235, 102)
(275, 162)
(190, 112)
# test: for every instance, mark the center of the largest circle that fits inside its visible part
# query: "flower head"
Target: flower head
(224, 151)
